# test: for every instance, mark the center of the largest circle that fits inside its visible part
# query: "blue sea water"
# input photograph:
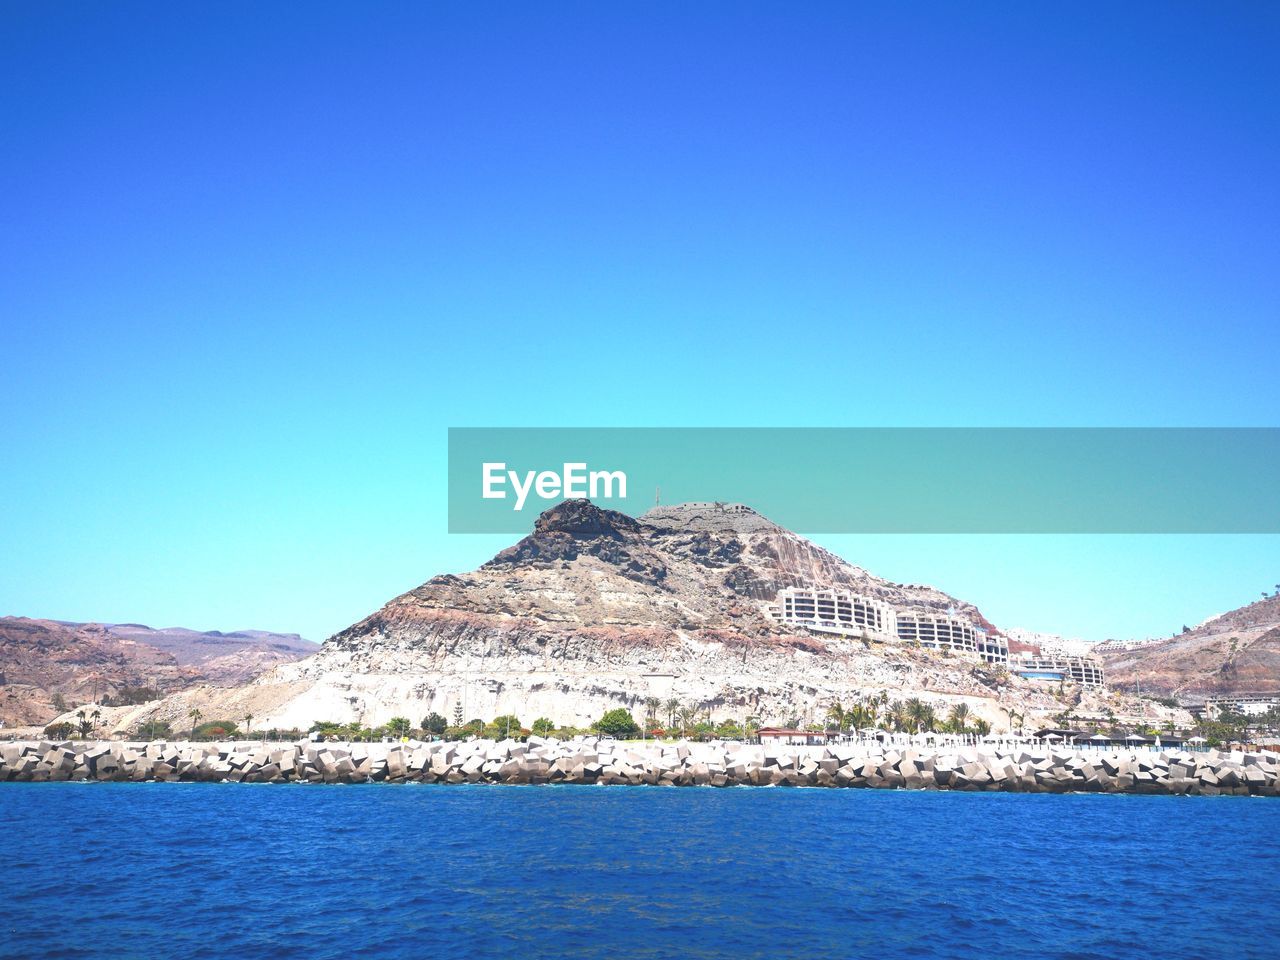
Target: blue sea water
(247, 871)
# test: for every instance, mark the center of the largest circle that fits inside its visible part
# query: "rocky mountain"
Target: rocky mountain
(596, 609)
(1237, 652)
(43, 662)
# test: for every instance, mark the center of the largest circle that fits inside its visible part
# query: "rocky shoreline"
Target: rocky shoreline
(1012, 769)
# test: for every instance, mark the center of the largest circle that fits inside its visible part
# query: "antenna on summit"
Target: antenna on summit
(657, 496)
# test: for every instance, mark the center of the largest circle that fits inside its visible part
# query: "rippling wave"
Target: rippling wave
(245, 871)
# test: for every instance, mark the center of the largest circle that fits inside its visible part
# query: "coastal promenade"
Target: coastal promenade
(1022, 769)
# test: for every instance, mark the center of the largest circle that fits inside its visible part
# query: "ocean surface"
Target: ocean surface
(246, 871)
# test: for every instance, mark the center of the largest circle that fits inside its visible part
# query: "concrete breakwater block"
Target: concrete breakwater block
(591, 761)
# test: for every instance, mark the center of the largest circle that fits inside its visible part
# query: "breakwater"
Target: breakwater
(1011, 769)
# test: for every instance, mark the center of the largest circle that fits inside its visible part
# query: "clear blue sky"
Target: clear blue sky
(254, 261)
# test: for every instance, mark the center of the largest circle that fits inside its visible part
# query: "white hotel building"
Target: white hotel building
(849, 614)
(1247, 704)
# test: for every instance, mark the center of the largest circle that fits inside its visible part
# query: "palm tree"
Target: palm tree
(837, 714)
(859, 716)
(96, 717)
(651, 705)
(248, 722)
(84, 724)
(981, 727)
(196, 717)
(929, 722)
(672, 706)
(959, 716)
(877, 705)
(898, 717)
(915, 713)
(687, 716)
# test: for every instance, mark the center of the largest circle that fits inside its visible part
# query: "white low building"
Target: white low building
(780, 736)
(849, 614)
(940, 631)
(836, 611)
(1246, 704)
(1086, 671)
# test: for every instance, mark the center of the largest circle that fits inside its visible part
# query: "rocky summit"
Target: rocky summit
(595, 610)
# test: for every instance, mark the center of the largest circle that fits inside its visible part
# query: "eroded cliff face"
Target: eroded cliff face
(594, 610)
(42, 660)
(1237, 652)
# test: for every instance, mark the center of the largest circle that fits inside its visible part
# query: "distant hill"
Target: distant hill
(1237, 652)
(43, 660)
(200, 649)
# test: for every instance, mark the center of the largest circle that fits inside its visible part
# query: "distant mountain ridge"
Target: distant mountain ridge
(44, 660)
(191, 647)
(1237, 652)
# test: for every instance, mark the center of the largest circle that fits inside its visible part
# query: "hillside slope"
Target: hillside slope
(1237, 652)
(596, 609)
(42, 660)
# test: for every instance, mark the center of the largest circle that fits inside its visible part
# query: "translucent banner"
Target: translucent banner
(891, 480)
